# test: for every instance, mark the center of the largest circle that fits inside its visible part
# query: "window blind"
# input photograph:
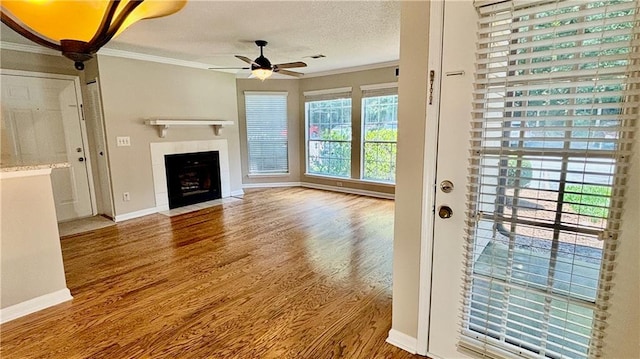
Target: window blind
(377, 90)
(267, 143)
(327, 94)
(555, 104)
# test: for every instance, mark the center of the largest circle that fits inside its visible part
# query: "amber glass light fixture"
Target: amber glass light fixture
(80, 28)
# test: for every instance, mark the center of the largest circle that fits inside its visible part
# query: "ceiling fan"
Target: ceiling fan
(262, 68)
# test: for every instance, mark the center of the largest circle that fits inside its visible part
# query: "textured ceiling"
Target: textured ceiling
(348, 33)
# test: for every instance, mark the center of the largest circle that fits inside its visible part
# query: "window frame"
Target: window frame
(368, 92)
(320, 96)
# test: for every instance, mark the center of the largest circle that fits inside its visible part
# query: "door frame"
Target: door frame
(83, 126)
(432, 124)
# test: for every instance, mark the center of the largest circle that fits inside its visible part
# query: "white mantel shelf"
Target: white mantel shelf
(164, 124)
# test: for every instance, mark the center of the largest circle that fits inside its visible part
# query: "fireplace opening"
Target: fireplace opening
(193, 178)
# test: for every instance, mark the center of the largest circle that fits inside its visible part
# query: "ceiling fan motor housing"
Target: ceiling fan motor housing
(261, 63)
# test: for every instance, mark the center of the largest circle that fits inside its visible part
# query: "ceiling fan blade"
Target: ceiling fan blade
(290, 73)
(246, 59)
(229, 68)
(290, 65)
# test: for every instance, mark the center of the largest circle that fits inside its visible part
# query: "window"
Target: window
(380, 132)
(267, 144)
(328, 119)
(556, 87)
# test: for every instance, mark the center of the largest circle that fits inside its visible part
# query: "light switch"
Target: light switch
(123, 141)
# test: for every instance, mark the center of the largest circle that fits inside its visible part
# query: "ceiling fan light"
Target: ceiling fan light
(262, 74)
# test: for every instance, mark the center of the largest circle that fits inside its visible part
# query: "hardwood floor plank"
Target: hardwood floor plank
(283, 273)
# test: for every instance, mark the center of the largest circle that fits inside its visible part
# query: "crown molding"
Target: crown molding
(353, 69)
(193, 64)
(35, 49)
(153, 58)
(107, 52)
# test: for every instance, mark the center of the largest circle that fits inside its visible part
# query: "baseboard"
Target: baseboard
(348, 190)
(271, 184)
(402, 341)
(136, 214)
(33, 305)
(238, 193)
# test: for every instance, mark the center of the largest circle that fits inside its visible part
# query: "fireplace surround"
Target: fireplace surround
(160, 149)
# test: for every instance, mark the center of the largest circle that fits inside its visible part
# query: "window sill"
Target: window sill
(350, 180)
(265, 175)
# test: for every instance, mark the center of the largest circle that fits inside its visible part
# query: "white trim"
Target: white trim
(386, 85)
(327, 91)
(430, 177)
(153, 58)
(361, 192)
(351, 180)
(199, 65)
(35, 304)
(402, 341)
(268, 175)
(34, 49)
(346, 70)
(266, 93)
(136, 214)
(235, 193)
(271, 185)
(36, 74)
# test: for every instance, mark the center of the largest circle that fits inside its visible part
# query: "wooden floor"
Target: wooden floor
(284, 273)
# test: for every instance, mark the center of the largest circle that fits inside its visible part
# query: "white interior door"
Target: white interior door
(41, 123)
(458, 54)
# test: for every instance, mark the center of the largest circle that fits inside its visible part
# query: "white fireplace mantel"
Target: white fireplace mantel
(164, 123)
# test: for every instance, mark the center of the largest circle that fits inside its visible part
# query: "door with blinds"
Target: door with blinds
(537, 107)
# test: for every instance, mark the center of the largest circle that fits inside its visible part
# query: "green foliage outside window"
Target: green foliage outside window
(380, 158)
(331, 155)
(589, 200)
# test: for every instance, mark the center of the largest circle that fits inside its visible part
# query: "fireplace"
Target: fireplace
(192, 177)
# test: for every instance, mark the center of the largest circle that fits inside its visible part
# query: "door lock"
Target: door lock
(445, 212)
(446, 186)
(81, 159)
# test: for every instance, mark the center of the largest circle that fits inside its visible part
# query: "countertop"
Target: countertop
(18, 170)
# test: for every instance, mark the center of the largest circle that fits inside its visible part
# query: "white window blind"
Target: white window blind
(328, 119)
(555, 103)
(266, 118)
(380, 132)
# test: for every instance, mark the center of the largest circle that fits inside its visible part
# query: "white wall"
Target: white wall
(133, 91)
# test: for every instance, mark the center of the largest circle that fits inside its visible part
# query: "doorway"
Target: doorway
(42, 123)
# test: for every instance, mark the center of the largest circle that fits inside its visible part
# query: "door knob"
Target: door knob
(81, 159)
(445, 212)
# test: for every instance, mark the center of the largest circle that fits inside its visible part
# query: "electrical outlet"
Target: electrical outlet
(123, 141)
(126, 197)
(339, 184)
